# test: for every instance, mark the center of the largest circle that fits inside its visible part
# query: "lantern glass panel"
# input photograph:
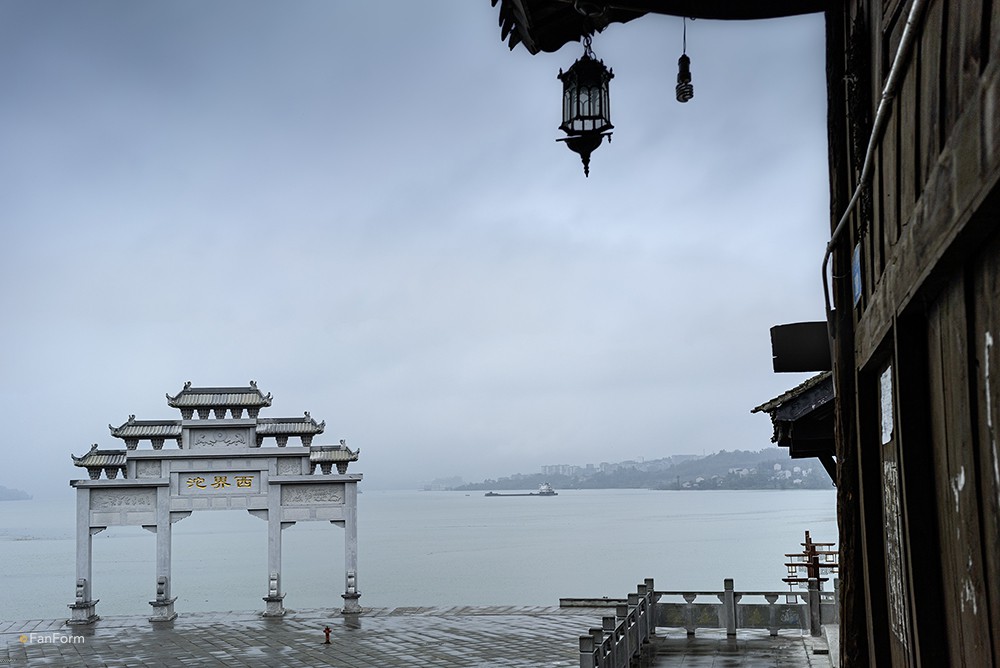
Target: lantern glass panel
(585, 97)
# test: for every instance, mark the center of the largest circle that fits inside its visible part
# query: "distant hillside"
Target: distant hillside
(770, 468)
(13, 494)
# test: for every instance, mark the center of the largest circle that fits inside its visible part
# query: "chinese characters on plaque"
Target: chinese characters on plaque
(212, 483)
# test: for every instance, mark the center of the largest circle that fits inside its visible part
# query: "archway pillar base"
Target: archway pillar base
(274, 606)
(163, 610)
(351, 605)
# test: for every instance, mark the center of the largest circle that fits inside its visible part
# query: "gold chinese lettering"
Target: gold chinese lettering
(198, 482)
(244, 480)
(220, 482)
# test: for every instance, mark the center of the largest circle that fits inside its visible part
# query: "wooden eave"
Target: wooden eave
(547, 25)
(803, 420)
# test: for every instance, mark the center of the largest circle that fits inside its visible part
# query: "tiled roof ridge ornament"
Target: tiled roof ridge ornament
(130, 420)
(320, 425)
(92, 450)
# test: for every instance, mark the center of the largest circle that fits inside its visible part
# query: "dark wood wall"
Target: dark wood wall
(917, 371)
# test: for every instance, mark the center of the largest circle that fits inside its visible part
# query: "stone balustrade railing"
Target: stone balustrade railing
(623, 638)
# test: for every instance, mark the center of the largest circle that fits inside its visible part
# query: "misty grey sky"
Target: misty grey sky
(362, 206)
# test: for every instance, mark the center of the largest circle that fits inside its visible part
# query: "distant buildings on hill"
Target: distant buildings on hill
(573, 471)
(770, 468)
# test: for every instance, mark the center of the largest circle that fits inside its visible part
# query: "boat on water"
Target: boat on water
(545, 489)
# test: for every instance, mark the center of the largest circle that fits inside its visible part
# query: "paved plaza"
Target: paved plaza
(466, 637)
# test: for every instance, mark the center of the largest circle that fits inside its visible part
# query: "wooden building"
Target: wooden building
(913, 307)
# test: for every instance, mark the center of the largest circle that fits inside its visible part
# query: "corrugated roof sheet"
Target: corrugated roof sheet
(289, 426)
(332, 453)
(147, 429)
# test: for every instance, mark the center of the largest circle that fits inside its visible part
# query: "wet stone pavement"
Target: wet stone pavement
(464, 637)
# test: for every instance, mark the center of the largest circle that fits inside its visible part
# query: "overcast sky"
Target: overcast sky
(361, 205)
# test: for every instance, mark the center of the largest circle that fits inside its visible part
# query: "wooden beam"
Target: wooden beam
(736, 10)
(853, 609)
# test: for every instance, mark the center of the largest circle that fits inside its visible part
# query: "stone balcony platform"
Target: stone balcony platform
(461, 637)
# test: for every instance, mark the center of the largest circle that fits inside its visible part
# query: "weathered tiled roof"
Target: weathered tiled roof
(289, 426)
(211, 397)
(133, 428)
(101, 458)
(332, 453)
(793, 393)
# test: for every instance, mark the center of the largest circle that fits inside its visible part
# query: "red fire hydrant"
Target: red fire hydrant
(326, 632)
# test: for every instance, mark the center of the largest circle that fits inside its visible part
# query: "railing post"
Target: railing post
(600, 656)
(772, 613)
(814, 611)
(644, 612)
(635, 623)
(729, 606)
(587, 652)
(608, 625)
(621, 612)
(653, 611)
(689, 613)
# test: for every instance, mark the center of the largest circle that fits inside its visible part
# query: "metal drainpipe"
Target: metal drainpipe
(899, 62)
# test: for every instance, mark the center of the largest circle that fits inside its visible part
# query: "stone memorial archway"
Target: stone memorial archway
(219, 463)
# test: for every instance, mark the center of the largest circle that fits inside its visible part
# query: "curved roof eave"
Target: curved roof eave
(547, 25)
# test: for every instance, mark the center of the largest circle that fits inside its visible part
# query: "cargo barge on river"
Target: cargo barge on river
(545, 489)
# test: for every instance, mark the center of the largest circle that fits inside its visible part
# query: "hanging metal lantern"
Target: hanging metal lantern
(586, 105)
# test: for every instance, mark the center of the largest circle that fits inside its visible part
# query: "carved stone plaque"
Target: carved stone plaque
(289, 466)
(122, 499)
(312, 494)
(218, 438)
(147, 469)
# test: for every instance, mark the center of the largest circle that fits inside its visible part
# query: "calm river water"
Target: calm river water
(425, 549)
